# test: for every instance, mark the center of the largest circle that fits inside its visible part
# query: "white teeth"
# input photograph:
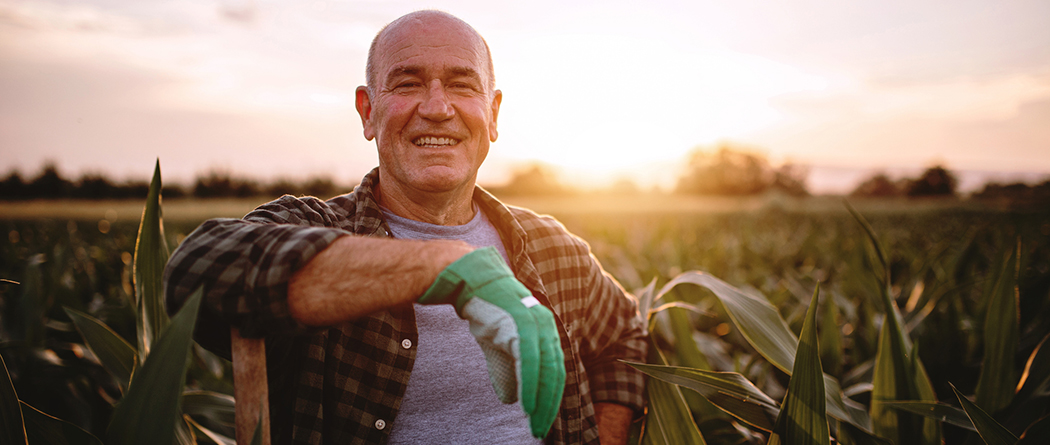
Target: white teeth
(430, 140)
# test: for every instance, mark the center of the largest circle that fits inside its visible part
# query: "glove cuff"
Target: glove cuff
(459, 280)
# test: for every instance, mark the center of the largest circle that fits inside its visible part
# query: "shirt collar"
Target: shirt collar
(369, 221)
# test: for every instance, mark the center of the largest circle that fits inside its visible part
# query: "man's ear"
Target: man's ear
(364, 109)
(497, 98)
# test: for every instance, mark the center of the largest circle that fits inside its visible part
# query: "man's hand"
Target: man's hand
(516, 333)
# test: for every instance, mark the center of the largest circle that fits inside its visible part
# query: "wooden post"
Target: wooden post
(250, 389)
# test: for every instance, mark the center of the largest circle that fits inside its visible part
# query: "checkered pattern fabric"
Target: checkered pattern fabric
(344, 384)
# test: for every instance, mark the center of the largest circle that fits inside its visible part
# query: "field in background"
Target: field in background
(196, 210)
(943, 256)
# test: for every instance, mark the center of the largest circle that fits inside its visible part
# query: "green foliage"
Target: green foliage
(991, 431)
(803, 419)
(115, 353)
(150, 409)
(931, 278)
(42, 428)
(667, 419)
(729, 391)
(998, 376)
(899, 374)
(151, 254)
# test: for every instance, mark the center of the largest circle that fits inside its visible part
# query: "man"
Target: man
(331, 285)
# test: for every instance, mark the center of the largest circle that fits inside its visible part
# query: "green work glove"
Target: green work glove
(516, 332)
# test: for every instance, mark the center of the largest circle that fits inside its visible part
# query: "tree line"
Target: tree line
(723, 170)
(51, 184)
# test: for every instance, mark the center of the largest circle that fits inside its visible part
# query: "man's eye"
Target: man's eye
(462, 86)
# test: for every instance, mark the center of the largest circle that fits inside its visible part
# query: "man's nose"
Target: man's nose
(436, 105)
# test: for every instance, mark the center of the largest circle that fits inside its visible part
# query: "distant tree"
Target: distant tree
(321, 187)
(138, 189)
(94, 186)
(50, 184)
(791, 179)
(878, 186)
(1015, 194)
(220, 184)
(281, 187)
(169, 191)
(935, 181)
(532, 180)
(13, 187)
(732, 170)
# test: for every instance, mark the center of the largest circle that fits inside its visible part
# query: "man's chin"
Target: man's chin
(442, 180)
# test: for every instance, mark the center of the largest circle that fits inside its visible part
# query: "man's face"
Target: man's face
(432, 112)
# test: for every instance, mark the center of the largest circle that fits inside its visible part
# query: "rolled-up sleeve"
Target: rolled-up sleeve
(244, 266)
(613, 330)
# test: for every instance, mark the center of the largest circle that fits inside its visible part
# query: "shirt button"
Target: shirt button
(406, 343)
(380, 424)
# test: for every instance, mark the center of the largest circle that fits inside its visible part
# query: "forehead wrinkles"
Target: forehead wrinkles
(415, 37)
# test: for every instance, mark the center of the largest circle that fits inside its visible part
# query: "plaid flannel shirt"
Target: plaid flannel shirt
(344, 384)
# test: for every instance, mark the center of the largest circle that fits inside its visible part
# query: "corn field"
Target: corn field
(900, 326)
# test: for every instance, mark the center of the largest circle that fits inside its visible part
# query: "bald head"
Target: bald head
(426, 19)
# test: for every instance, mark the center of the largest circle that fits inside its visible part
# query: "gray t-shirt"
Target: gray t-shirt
(449, 399)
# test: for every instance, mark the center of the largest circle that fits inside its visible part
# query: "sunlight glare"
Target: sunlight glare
(593, 105)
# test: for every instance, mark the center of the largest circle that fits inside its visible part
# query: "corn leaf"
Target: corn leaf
(998, 377)
(12, 427)
(1035, 379)
(729, 391)
(761, 325)
(899, 374)
(149, 411)
(646, 297)
(43, 428)
(211, 435)
(803, 417)
(992, 432)
(668, 420)
(847, 434)
(941, 412)
(690, 356)
(151, 254)
(212, 405)
(831, 338)
(758, 321)
(1037, 433)
(931, 429)
(33, 307)
(1033, 388)
(115, 353)
(895, 379)
(184, 433)
(874, 241)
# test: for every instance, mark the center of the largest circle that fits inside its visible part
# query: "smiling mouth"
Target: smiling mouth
(431, 141)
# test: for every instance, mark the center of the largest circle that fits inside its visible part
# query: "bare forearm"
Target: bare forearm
(356, 276)
(614, 422)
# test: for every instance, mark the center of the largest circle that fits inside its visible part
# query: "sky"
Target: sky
(597, 90)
